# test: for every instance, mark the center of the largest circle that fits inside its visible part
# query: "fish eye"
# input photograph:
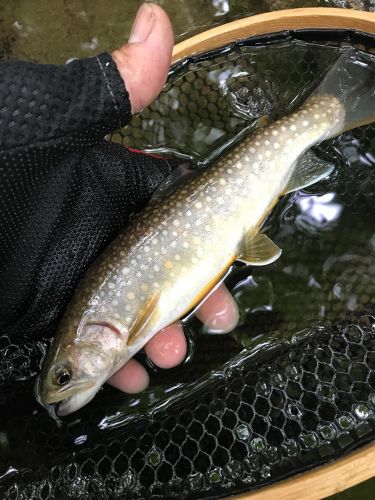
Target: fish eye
(62, 375)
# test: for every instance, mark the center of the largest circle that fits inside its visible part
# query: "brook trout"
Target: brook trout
(179, 248)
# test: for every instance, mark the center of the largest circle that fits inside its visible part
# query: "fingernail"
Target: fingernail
(143, 24)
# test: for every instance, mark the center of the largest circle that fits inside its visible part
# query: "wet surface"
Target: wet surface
(326, 272)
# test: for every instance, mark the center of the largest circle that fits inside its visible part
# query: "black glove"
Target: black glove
(64, 191)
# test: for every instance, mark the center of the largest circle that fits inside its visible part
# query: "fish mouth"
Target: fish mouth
(65, 393)
(76, 401)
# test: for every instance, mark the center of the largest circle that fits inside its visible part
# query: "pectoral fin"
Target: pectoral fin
(258, 250)
(308, 170)
(143, 317)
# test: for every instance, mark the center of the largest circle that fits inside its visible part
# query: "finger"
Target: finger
(168, 347)
(131, 378)
(219, 312)
(144, 62)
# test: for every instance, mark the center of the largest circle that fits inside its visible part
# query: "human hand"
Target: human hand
(143, 64)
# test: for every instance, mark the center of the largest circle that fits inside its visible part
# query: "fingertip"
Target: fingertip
(131, 378)
(144, 65)
(168, 347)
(219, 312)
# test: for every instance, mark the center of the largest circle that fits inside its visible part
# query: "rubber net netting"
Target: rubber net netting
(294, 385)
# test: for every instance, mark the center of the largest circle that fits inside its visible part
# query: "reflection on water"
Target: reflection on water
(318, 211)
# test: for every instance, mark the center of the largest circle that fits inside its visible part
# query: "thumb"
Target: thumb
(144, 61)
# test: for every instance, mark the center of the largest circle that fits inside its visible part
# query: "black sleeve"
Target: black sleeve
(55, 221)
(41, 104)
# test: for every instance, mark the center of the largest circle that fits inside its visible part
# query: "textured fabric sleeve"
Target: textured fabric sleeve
(55, 220)
(42, 103)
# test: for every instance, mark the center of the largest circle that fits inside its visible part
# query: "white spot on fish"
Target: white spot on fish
(147, 249)
(156, 268)
(222, 181)
(188, 213)
(176, 222)
(275, 132)
(131, 295)
(155, 241)
(305, 123)
(199, 205)
(293, 127)
(276, 145)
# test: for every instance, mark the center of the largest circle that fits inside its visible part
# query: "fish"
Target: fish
(178, 249)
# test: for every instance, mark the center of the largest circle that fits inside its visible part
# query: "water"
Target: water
(326, 232)
(55, 31)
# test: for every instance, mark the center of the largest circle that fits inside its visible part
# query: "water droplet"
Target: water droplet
(292, 372)
(253, 463)
(353, 333)
(263, 388)
(215, 476)
(371, 398)
(327, 392)
(129, 479)
(265, 472)
(326, 431)
(272, 454)
(257, 444)
(309, 440)
(195, 481)
(294, 411)
(361, 411)
(345, 422)
(78, 487)
(243, 432)
(278, 380)
(154, 456)
(247, 478)
(234, 469)
(290, 448)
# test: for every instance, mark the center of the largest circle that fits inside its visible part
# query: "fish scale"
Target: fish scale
(179, 248)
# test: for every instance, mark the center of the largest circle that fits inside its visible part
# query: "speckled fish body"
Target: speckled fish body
(175, 252)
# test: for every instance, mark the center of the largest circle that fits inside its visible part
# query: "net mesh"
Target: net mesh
(236, 418)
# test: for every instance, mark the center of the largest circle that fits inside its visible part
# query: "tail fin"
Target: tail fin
(351, 80)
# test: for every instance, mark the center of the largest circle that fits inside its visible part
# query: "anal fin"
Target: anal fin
(258, 249)
(308, 170)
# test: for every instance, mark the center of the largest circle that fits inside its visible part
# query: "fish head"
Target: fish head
(75, 371)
